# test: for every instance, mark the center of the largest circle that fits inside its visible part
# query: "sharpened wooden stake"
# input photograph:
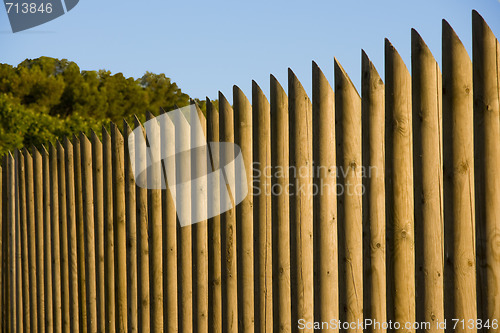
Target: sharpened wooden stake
(301, 201)
(98, 196)
(325, 200)
(38, 198)
(244, 211)
(228, 225)
(459, 168)
(11, 225)
(487, 134)
(348, 108)
(89, 232)
(63, 225)
(214, 225)
(23, 237)
(373, 113)
(428, 157)
(282, 304)
(143, 236)
(131, 222)
(32, 257)
(119, 228)
(200, 232)
(72, 236)
(262, 207)
(169, 216)
(47, 242)
(400, 140)
(80, 238)
(109, 229)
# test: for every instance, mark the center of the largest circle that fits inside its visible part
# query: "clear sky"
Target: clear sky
(207, 46)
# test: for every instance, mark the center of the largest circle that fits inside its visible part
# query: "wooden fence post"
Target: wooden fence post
(244, 212)
(325, 200)
(30, 215)
(131, 222)
(262, 209)
(72, 236)
(348, 107)
(3, 246)
(398, 109)
(487, 152)
(38, 196)
(459, 167)
(55, 239)
(228, 225)
(109, 230)
(169, 216)
(183, 204)
(23, 237)
(373, 113)
(63, 236)
(143, 237)
(98, 198)
(155, 224)
(47, 242)
(200, 231)
(214, 231)
(11, 225)
(119, 228)
(428, 157)
(301, 201)
(80, 236)
(282, 303)
(89, 232)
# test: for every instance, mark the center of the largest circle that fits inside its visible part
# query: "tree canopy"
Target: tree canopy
(45, 99)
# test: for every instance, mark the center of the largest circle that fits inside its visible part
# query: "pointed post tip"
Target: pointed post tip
(126, 126)
(222, 98)
(446, 25)
(365, 60)
(388, 45)
(137, 122)
(337, 66)
(255, 86)
(415, 34)
(476, 15)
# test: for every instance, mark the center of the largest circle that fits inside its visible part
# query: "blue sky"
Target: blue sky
(207, 46)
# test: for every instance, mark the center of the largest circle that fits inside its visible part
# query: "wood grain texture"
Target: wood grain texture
(373, 113)
(301, 201)
(428, 157)
(398, 108)
(458, 122)
(348, 107)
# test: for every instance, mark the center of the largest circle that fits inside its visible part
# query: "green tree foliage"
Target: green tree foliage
(45, 99)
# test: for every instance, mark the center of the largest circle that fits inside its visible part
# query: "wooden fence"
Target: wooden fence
(382, 207)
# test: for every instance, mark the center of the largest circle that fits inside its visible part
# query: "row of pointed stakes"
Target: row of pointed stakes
(416, 132)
